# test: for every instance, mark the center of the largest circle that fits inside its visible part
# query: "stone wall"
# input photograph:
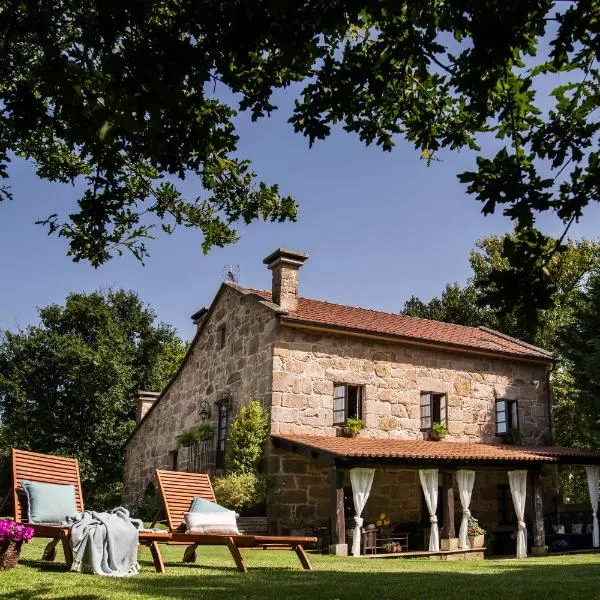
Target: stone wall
(242, 368)
(301, 484)
(306, 366)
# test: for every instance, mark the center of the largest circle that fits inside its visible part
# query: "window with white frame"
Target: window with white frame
(347, 402)
(507, 416)
(433, 410)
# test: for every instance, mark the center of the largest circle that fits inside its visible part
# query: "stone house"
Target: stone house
(314, 364)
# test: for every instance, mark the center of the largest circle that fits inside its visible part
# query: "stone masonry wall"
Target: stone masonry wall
(302, 484)
(242, 368)
(306, 366)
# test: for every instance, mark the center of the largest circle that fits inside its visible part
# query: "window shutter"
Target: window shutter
(339, 404)
(426, 411)
(514, 415)
(443, 411)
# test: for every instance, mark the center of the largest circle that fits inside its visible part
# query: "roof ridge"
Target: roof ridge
(379, 312)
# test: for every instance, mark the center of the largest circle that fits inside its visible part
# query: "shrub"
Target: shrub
(241, 490)
(147, 504)
(247, 437)
(109, 497)
(189, 438)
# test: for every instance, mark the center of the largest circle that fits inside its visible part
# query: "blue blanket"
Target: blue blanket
(105, 543)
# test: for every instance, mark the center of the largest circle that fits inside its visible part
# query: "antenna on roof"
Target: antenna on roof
(231, 273)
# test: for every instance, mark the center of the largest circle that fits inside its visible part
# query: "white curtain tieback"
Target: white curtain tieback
(466, 512)
(433, 519)
(522, 526)
(359, 521)
(594, 514)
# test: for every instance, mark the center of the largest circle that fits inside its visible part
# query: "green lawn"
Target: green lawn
(276, 575)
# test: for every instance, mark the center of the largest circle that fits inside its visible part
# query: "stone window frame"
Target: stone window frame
(360, 402)
(222, 336)
(223, 418)
(510, 414)
(441, 410)
(173, 459)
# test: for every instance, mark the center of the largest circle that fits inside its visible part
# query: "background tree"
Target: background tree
(457, 304)
(68, 385)
(122, 96)
(469, 305)
(579, 410)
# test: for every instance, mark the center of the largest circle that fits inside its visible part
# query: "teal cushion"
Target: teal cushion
(199, 505)
(49, 502)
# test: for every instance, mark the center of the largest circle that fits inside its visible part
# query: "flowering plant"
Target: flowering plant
(474, 528)
(14, 532)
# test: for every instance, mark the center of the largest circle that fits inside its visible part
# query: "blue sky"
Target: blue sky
(379, 227)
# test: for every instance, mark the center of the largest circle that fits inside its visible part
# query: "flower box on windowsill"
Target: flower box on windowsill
(347, 432)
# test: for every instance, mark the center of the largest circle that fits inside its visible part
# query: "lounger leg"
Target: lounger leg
(189, 556)
(157, 558)
(303, 558)
(50, 550)
(237, 556)
(66, 544)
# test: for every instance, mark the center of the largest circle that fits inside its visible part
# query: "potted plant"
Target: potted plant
(438, 432)
(476, 533)
(12, 536)
(513, 437)
(296, 523)
(189, 438)
(351, 427)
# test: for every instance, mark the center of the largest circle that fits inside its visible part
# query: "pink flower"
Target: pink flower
(14, 532)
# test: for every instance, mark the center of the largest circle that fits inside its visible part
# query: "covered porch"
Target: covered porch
(439, 485)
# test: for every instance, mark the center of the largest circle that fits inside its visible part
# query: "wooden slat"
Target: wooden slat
(178, 489)
(42, 468)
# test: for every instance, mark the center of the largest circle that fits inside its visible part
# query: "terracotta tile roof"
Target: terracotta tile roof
(444, 451)
(327, 314)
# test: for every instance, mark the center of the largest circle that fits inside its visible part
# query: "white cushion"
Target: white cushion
(221, 523)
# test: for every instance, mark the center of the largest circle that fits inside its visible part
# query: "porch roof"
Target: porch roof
(362, 450)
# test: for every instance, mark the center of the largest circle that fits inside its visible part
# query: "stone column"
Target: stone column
(539, 533)
(448, 539)
(338, 524)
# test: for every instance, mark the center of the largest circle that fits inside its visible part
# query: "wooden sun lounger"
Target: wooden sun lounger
(45, 468)
(177, 490)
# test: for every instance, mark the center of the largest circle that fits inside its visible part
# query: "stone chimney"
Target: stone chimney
(144, 401)
(199, 316)
(284, 264)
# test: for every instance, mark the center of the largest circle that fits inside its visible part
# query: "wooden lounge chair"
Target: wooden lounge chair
(45, 468)
(178, 488)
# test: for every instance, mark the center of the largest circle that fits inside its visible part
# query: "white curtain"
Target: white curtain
(593, 474)
(429, 483)
(465, 480)
(361, 480)
(518, 489)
